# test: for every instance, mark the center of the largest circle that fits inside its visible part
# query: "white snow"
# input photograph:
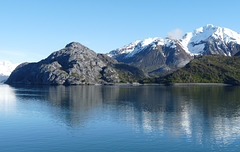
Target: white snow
(193, 42)
(229, 54)
(160, 42)
(190, 41)
(126, 49)
(6, 68)
(150, 42)
(196, 49)
(147, 41)
(141, 46)
(229, 36)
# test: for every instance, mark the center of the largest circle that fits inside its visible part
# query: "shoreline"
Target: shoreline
(131, 84)
(171, 84)
(201, 84)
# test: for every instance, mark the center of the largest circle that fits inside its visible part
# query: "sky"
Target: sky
(30, 30)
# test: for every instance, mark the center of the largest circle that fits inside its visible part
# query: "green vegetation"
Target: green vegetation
(77, 75)
(205, 69)
(128, 73)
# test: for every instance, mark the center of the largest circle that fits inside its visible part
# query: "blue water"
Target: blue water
(119, 118)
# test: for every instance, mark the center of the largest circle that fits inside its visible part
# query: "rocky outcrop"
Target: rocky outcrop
(75, 64)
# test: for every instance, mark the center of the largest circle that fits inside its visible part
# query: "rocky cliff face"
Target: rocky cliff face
(75, 64)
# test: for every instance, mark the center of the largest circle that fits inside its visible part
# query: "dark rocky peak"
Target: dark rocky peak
(72, 51)
(75, 45)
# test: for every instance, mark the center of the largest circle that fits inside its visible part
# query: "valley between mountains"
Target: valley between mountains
(209, 54)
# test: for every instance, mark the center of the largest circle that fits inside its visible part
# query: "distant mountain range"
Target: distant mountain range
(154, 57)
(160, 56)
(6, 68)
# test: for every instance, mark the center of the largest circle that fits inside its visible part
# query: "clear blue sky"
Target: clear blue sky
(32, 29)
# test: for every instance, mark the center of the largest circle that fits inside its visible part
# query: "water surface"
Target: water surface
(119, 118)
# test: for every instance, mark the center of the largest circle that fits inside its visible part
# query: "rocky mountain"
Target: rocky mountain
(211, 40)
(156, 56)
(75, 64)
(160, 56)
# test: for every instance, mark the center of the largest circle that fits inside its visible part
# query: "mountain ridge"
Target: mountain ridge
(175, 53)
(75, 64)
(154, 57)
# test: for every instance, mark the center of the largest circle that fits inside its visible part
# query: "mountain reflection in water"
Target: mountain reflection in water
(203, 114)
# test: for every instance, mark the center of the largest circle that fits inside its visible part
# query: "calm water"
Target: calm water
(119, 118)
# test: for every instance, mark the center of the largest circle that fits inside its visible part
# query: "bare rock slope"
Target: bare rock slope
(75, 64)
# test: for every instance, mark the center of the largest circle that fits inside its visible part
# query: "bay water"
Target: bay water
(119, 118)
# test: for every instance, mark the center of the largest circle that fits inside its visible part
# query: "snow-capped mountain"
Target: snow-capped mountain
(6, 68)
(211, 40)
(159, 56)
(138, 46)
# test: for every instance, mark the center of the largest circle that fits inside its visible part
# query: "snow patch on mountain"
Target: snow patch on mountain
(124, 50)
(141, 46)
(6, 68)
(153, 43)
(138, 46)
